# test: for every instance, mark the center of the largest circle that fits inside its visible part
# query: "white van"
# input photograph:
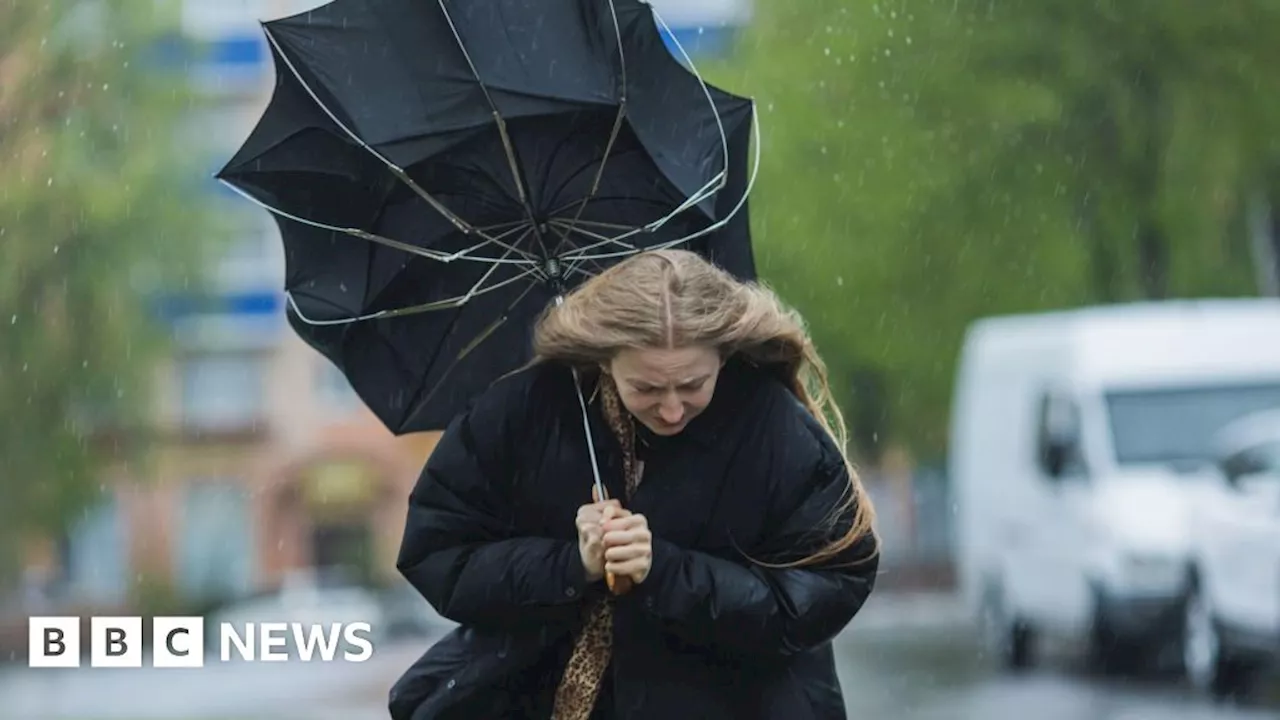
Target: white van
(1232, 625)
(1080, 444)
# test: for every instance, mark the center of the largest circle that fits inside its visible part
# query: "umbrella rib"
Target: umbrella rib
(368, 236)
(427, 253)
(421, 399)
(495, 262)
(604, 160)
(462, 225)
(617, 124)
(563, 232)
(447, 303)
(574, 261)
(710, 228)
(501, 122)
(724, 138)
(453, 302)
(718, 181)
(524, 225)
(568, 227)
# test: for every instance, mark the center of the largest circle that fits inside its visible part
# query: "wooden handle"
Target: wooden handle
(618, 585)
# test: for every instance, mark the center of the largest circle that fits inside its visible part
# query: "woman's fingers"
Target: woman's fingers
(594, 511)
(637, 569)
(624, 523)
(615, 538)
(623, 553)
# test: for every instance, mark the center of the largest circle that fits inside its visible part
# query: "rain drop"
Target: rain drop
(13, 320)
(826, 51)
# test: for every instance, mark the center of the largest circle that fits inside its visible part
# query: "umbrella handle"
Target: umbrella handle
(618, 585)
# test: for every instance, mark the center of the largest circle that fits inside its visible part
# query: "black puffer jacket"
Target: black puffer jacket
(490, 542)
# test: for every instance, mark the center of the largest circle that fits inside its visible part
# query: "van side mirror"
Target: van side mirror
(1058, 435)
(1237, 465)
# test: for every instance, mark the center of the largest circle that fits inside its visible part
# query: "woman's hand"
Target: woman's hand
(590, 522)
(628, 548)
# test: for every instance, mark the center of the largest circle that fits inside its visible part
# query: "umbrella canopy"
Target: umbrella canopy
(441, 170)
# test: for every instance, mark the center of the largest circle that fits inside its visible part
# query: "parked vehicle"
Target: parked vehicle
(1080, 451)
(1232, 618)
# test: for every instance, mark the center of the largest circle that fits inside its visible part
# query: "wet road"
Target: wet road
(938, 674)
(908, 660)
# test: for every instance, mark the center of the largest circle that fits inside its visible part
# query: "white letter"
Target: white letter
(307, 645)
(364, 643)
(53, 642)
(269, 642)
(231, 637)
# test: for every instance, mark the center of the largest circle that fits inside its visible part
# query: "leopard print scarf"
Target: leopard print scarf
(593, 649)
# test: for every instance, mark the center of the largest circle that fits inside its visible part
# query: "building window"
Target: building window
(216, 541)
(223, 392)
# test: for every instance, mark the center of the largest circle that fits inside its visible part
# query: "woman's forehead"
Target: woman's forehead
(659, 365)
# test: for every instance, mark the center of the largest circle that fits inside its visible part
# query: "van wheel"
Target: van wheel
(1208, 666)
(1010, 640)
(1110, 653)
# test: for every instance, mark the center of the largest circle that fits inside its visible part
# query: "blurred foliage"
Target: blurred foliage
(928, 162)
(98, 212)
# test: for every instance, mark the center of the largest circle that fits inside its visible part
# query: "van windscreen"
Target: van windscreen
(1178, 424)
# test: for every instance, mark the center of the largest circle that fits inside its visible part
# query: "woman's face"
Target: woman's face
(665, 389)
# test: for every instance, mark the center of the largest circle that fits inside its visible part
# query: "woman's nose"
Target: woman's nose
(671, 412)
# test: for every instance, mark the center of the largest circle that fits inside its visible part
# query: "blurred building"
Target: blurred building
(269, 462)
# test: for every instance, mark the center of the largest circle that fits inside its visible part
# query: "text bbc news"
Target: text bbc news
(179, 642)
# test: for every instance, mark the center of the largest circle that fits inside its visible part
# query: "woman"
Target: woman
(734, 516)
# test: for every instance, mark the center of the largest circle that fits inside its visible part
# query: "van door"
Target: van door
(1250, 566)
(1057, 541)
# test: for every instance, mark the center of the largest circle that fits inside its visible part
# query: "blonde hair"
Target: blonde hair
(674, 299)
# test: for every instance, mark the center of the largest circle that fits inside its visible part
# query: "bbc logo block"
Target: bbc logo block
(178, 642)
(115, 642)
(53, 642)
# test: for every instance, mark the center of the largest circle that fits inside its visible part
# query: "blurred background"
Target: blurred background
(1038, 243)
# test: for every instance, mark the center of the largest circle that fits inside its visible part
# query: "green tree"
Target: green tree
(99, 209)
(927, 162)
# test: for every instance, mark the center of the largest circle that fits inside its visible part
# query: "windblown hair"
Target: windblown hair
(675, 299)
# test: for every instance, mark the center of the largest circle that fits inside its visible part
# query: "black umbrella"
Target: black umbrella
(441, 170)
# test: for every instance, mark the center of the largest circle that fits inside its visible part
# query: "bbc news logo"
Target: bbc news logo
(179, 642)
